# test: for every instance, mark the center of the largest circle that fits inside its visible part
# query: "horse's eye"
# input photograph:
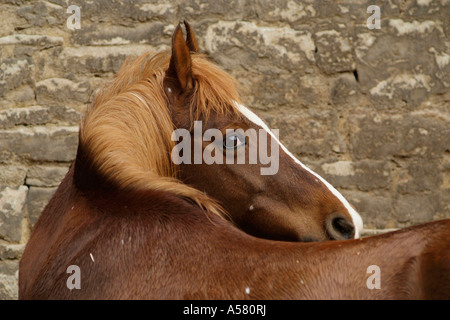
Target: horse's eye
(233, 141)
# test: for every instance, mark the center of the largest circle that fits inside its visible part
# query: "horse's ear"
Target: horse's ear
(179, 72)
(191, 40)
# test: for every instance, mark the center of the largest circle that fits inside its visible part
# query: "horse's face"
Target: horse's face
(276, 197)
(237, 160)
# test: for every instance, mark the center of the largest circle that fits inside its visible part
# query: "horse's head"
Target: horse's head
(228, 152)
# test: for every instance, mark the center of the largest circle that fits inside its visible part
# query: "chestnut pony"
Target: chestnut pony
(139, 227)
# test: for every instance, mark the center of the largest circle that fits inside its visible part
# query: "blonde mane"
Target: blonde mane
(127, 131)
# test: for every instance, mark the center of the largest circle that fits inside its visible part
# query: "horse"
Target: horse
(137, 226)
(127, 136)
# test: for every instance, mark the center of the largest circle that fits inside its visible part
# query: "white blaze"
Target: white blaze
(356, 218)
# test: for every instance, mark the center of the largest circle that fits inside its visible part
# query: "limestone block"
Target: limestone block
(12, 202)
(36, 201)
(41, 143)
(45, 176)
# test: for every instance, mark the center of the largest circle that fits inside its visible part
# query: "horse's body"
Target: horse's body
(127, 218)
(153, 245)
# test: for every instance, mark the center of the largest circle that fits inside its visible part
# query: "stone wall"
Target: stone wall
(366, 108)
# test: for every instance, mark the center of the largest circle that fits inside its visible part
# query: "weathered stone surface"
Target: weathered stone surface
(36, 201)
(376, 210)
(278, 91)
(102, 34)
(419, 175)
(42, 13)
(354, 10)
(334, 51)
(340, 173)
(416, 208)
(382, 136)
(444, 205)
(38, 115)
(127, 12)
(22, 96)
(64, 114)
(372, 174)
(427, 9)
(9, 19)
(35, 41)
(39, 143)
(45, 176)
(12, 203)
(293, 12)
(306, 135)
(344, 89)
(12, 176)
(33, 115)
(9, 267)
(62, 91)
(423, 42)
(9, 280)
(11, 251)
(365, 175)
(294, 49)
(13, 74)
(97, 60)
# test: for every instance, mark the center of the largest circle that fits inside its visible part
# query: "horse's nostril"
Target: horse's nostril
(340, 228)
(343, 226)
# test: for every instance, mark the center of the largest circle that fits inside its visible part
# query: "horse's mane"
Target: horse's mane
(127, 130)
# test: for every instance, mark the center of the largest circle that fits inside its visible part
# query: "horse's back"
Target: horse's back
(45, 234)
(117, 246)
(414, 261)
(157, 246)
(435, 262)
